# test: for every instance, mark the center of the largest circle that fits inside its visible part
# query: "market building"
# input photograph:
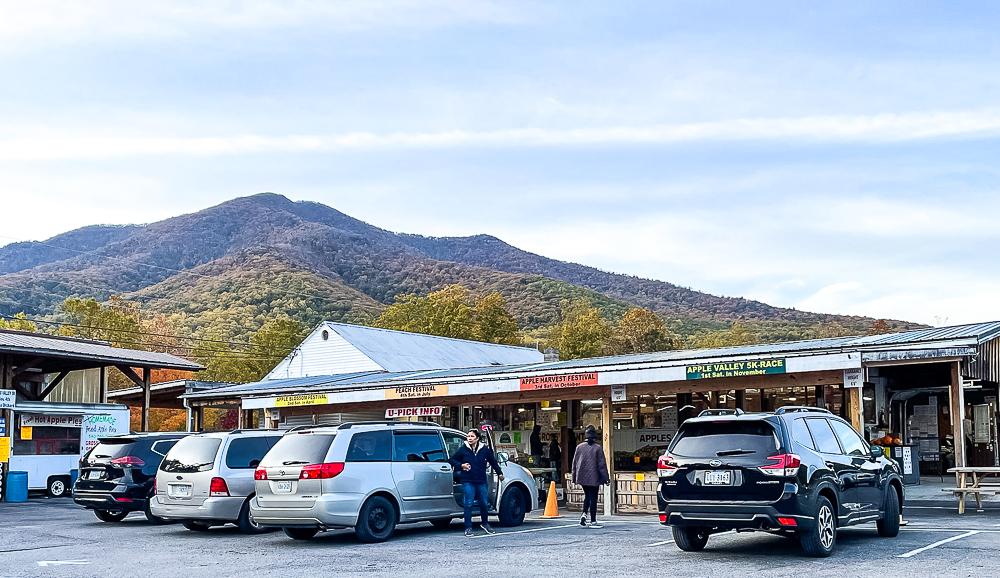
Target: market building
(930, 395)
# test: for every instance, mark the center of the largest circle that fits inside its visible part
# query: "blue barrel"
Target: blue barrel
(16, 489)
(73, 475)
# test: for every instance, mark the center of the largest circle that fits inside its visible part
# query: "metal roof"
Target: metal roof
(181, 384)
(397, 351)
(941, 338)
(87, 352)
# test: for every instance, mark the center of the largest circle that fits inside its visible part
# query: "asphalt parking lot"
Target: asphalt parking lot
(54, 537)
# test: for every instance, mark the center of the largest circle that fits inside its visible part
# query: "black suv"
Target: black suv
(117, 475)
(798, 471)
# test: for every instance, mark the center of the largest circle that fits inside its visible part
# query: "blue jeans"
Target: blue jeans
(473, 492)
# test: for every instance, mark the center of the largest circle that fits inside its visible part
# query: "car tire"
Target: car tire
(441, 523)
(376, 520)
(195, 526)
(246, 523)
(511, 507)
(300, 533)
(110, 515)
(57, 487)
(690, 538)
(153, 518)
(888, 526)
(819, 541)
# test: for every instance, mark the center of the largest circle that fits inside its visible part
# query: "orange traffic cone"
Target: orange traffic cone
(551, 507)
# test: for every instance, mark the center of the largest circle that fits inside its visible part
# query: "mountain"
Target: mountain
(232, 266)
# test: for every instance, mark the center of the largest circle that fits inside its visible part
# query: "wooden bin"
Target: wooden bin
(636, 493)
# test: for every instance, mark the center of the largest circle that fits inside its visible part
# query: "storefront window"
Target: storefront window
(47, 441)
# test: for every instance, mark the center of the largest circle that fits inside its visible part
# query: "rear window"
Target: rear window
(110, 448)
(372, 446)
(714, 439)
(191, 454)
(298, 449)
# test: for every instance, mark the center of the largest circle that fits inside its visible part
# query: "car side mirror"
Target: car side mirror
(877, 453)
(502, 457)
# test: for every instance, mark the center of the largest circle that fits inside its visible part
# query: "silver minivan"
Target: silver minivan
(207, 479)
(373, 476)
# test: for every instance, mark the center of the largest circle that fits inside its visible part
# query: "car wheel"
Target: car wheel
(57, 487)
(888, 526)
(246, 523)
(300, 533)
(153, 518)
(820, 540)
(690, 538)
(512, 507)
(195, 526)
(110, 515)
(441, 523)
(376, 520)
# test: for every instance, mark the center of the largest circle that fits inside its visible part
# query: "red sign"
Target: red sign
(558, 381)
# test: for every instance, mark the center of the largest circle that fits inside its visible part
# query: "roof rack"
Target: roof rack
(349, 425)
(797, 408)
(721, 411)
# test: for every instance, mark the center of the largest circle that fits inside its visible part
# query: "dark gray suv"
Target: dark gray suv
(800, 471)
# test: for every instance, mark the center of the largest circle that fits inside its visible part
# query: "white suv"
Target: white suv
(370, 476)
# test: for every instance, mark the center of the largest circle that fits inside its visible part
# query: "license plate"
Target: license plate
(721, 478)
(283, 486)
(94, 474)
(181, 491)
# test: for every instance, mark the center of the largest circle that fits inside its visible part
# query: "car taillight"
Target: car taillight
(788, 465)
(665, 466)
(154, 485)
(128, 461)
(787, 521)
(219, 487)
(320, 471)
(260, 474)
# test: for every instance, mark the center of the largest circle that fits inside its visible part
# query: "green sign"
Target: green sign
(735, 368)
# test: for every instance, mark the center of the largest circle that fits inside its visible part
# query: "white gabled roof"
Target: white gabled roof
(355, 348)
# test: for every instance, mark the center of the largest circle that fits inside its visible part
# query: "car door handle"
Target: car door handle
(445, 468)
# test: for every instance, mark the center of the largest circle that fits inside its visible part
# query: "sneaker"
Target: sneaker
(583, 521)
(469, 534)
(595, 525)
(488, 529)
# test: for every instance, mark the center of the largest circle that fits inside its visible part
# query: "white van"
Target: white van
(47, 439)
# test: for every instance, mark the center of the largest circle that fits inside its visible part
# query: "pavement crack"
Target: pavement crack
(35, 548)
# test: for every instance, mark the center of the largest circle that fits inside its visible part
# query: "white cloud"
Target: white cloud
(62, 21)
(882, 128)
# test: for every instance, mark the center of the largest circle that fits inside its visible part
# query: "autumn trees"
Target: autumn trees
(453, 312)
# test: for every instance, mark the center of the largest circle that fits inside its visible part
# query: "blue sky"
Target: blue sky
(839, 158)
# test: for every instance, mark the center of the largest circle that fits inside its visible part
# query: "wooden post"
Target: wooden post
(609, 454)
(956, 397)
(102, 396)
(857, 409)
(741, 399)
(147, 374)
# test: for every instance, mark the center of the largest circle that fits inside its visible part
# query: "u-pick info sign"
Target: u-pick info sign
(559, 381)
(735, 368)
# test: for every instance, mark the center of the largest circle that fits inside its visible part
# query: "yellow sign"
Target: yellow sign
(4, 449)
(408, 391)
(305, 399)
(640, 477)
(25, 433)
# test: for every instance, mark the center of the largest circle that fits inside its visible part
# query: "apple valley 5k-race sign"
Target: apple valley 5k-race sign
(735, 368)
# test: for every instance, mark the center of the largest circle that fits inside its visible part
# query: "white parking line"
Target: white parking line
(526, 531)
(938, 543)
(659, 543)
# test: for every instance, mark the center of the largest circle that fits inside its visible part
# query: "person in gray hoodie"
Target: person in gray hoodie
(590, 470)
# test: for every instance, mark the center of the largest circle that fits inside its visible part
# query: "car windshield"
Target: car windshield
(724, 438)
(191, 454)
(298, 449)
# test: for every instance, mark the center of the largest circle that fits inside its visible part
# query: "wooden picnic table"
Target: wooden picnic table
(962, 478)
